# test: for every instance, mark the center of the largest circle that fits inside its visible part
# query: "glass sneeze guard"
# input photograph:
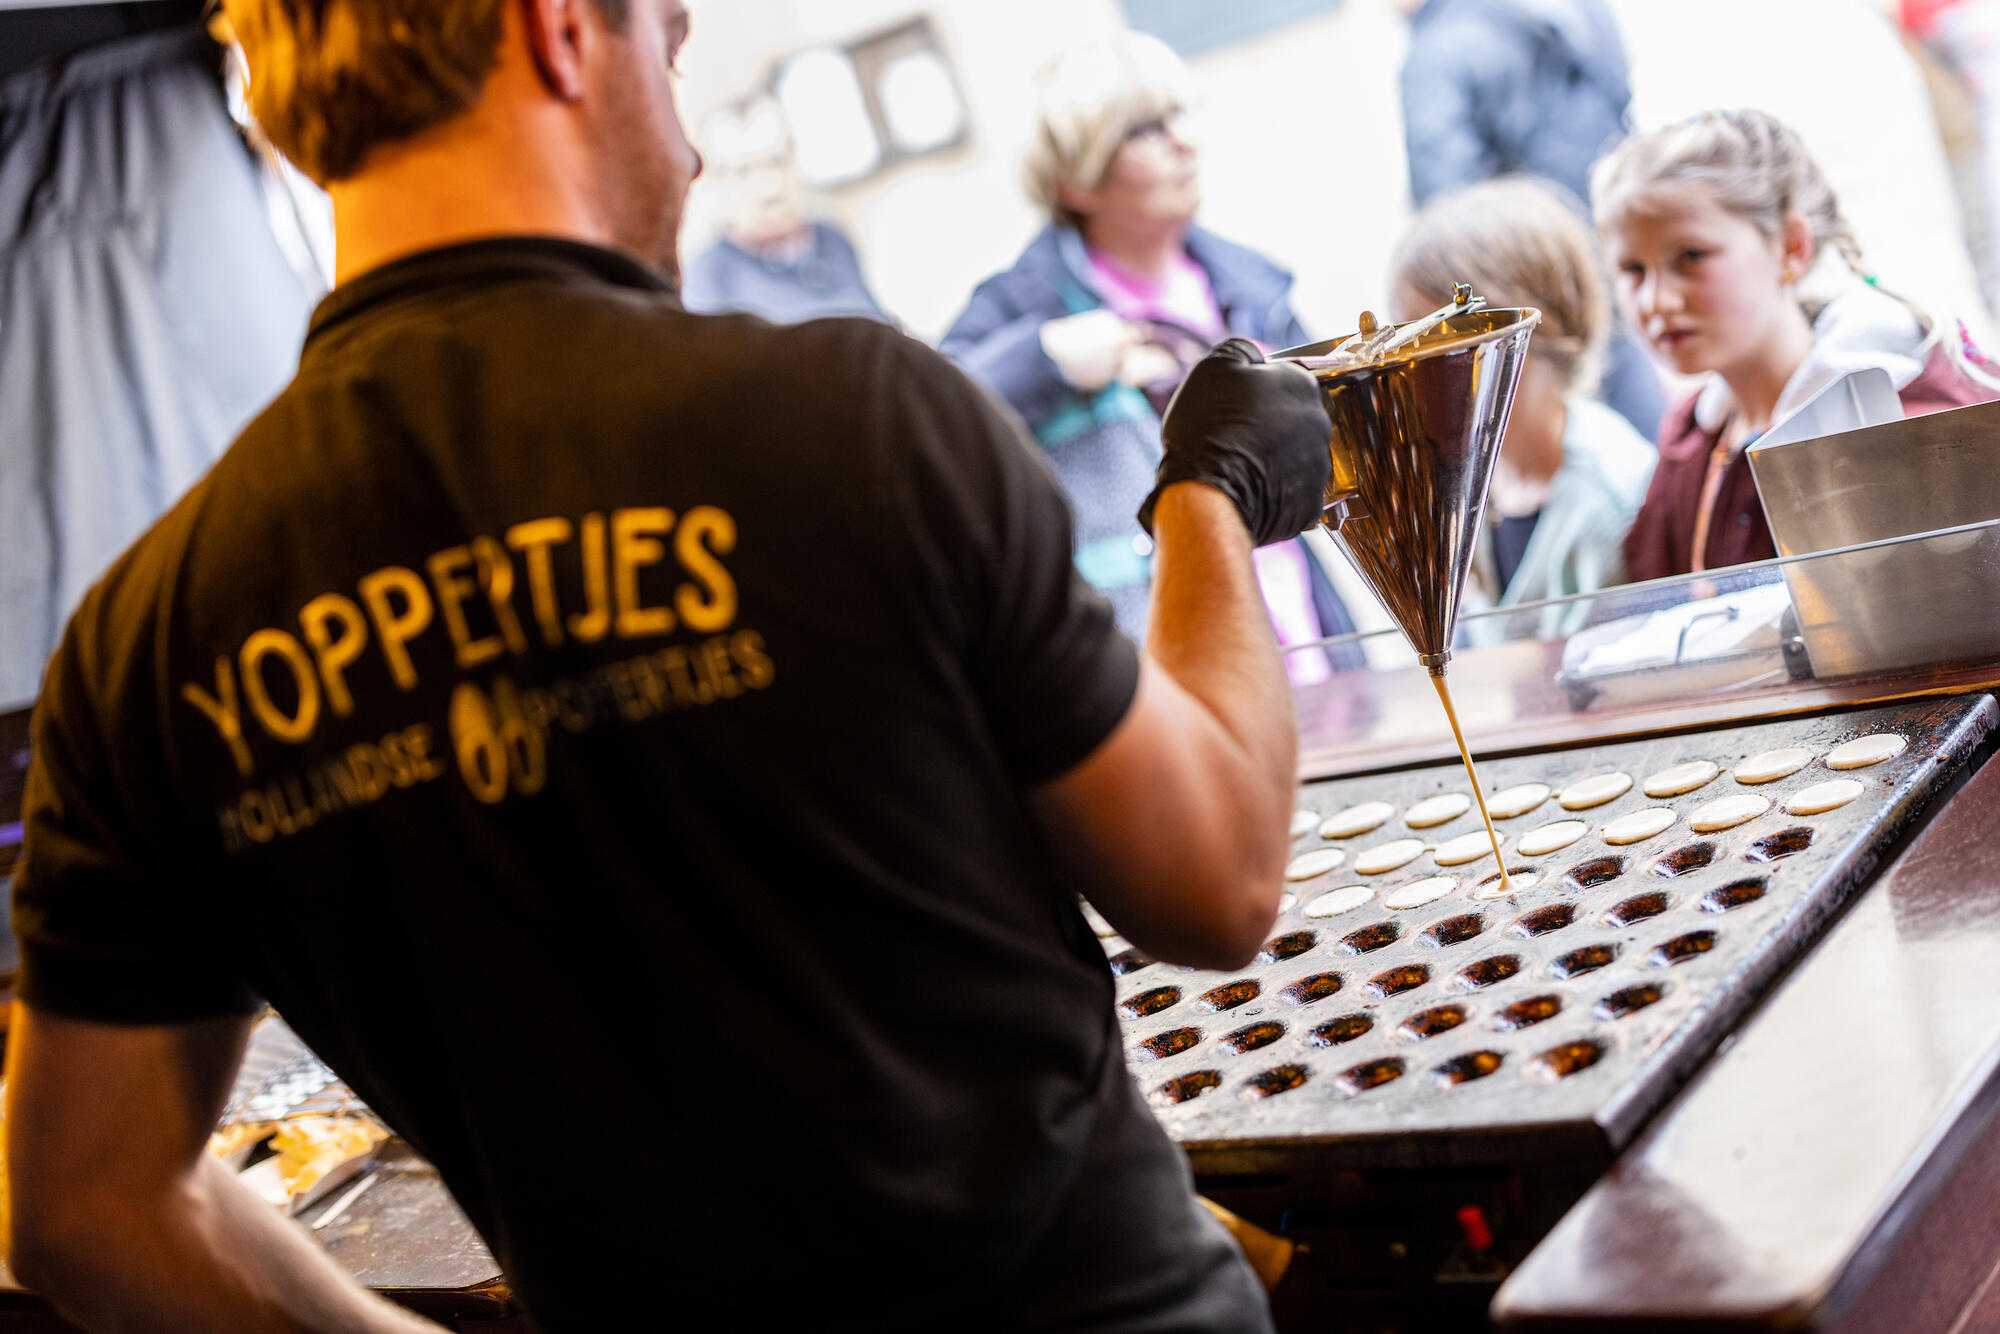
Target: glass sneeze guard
(1878, 620)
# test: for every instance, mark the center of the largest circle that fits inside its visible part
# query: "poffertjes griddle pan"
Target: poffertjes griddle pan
(1551, 1023)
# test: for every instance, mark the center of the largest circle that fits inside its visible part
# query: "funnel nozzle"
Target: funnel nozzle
(1434, 662)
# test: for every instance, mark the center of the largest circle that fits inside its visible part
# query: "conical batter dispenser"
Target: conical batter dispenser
(1418, 410)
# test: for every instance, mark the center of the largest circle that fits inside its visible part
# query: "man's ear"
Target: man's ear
(555, 30)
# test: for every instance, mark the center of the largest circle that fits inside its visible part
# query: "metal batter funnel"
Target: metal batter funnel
(1418, 410)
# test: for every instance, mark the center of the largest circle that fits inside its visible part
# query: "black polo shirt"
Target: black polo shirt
(602, 731)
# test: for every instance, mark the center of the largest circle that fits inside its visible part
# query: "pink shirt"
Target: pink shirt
(1182, 295)
(1287, 587)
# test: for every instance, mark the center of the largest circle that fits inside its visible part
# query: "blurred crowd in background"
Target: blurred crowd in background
(1299, 118)
(1170, 205)
(1074, 198)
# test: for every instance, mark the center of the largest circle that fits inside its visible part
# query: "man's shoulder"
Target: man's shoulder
(624, 340)
(834, 365)
(117, 626)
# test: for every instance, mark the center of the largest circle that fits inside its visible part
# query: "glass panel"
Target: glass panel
(1862, 622)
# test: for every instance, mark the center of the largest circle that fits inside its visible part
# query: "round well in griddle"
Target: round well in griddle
(1280, 1079)
(1230, 994)
(1128, 961)
(1580, 961)
(1372, 1074)
(1527, 1013)
(1289, 946)
(1488, 971)
(1186, 1088)
(1682, 860)
(1563, 1061)
(1150, 1002)
(1472, 1065)
(1628, 1000)
(1429, 1023)
(1542, 921)
(1309, 989)
(1336, 1125)
(1170, 1043)
(1732, 895)
(1597, 871)
(1682, 948)
(1370, 938)
(1638, 908)
(1398, 980)
(1513, 873)
(1254, 1036)
(1344, 1029)
(1453, 930)
(1784, 843)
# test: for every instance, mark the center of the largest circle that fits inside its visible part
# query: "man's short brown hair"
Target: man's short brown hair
(331, 79)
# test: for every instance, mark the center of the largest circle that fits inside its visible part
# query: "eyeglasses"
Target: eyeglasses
(1157, 127)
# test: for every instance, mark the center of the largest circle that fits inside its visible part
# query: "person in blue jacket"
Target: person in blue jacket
(772, 259)
(1534, 87)
(1092, 329)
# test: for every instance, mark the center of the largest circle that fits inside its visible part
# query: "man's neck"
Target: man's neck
(463, 185)
(1144, 252)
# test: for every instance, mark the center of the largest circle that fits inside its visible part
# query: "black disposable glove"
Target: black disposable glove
(1254, 430)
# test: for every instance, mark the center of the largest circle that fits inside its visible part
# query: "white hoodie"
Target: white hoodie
(1860, 328)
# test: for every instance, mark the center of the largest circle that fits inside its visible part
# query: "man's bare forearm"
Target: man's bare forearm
(210, 1257)
(1210, 631)
(1179, 821)
(1209, 628)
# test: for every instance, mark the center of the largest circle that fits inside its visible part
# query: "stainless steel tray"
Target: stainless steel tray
(1907, 605)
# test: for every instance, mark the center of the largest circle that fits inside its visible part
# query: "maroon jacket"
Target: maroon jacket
(1662, 537)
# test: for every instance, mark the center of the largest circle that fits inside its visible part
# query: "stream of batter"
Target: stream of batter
(1478, 794)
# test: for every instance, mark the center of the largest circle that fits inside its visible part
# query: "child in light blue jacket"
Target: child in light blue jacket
(1571, 472)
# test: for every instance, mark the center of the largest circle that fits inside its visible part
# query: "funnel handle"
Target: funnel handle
(1338, 512)
(1462, 302)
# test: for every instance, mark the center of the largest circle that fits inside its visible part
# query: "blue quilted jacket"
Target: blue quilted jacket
(1105, 446)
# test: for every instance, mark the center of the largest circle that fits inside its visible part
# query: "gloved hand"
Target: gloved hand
(1254, 430)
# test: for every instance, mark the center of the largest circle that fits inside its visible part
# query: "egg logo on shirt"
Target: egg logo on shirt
(498, 751)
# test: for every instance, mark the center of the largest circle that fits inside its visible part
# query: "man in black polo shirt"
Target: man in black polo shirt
(650, 756)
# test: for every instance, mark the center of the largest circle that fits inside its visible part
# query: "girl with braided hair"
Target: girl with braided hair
(1733, 261)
